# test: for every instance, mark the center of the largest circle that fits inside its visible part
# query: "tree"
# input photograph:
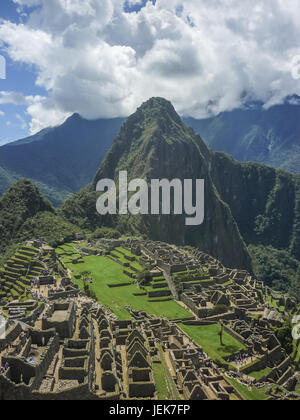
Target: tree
(221, 336)
(144, 278)
(85, 275)
(284, 335)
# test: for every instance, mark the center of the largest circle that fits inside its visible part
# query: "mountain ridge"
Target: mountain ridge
(62, 160)
(269, 136)
(59, 160)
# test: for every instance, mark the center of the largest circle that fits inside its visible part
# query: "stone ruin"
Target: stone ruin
(69, 347)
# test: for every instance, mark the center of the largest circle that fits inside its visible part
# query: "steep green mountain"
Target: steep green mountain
(260, 203)
(155, 144)
(265, 202)
(266, 136)
(60, 160)
(26, 214)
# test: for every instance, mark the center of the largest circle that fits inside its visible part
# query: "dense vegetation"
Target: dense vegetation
(284, 335)
(26, 214)
(105, 232)
(275, 268)
(80, 209)
(264, 202)
(48, 226)
(295, 286)
(21, 202)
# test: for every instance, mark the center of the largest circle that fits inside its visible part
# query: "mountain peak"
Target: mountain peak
(26, 195)
(158, 109)
(74, 117)
(153, 126)
(157, 103)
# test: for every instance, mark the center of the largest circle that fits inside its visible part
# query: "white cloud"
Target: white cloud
(206, 56)
(42, 110)
(15, 98)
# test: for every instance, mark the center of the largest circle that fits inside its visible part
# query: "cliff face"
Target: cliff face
(265, 202)
(155, 144)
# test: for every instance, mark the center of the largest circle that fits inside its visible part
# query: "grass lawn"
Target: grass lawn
(260, 374)
(105, 271)
(253, 395)
(207, 337)
(165, 386)
(125, 251)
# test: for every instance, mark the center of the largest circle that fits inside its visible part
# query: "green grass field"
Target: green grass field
(253, 395)
(105, 271)
(208, 338)
(260, 374)
(165, 386)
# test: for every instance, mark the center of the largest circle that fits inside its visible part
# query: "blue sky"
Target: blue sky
(136, 7)
(20, 77)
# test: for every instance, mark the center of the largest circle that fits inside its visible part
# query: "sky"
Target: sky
(103, 58)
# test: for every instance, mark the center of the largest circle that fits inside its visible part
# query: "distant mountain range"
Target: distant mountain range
(59, 160)
(268, 136)
(62, 160)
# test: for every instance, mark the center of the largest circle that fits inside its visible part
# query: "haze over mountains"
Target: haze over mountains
(268, 136)
(62, 160)
(59, 160)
